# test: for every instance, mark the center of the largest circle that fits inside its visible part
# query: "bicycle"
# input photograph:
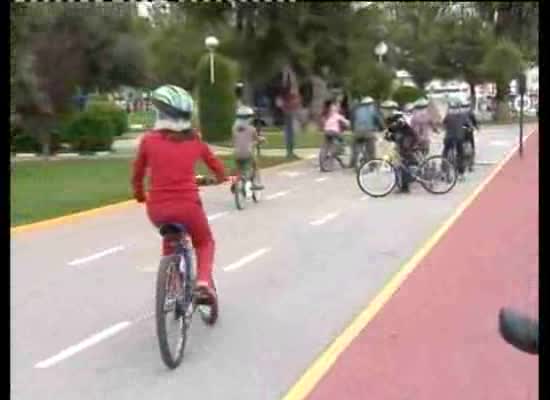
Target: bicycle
(331, 152)
(243, 185)
(176, 298)
(428, 171)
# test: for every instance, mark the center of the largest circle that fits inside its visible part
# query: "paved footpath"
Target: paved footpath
(437, 338)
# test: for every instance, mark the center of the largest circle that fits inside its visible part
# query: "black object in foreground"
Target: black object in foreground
(518, 330)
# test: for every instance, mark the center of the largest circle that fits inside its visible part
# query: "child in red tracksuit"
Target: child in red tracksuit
(173, 197)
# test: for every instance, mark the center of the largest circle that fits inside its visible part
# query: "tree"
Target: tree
(464, 42)
(371, 79)
(501, 65)
(516, 22)
(87, 46)
(415, 38)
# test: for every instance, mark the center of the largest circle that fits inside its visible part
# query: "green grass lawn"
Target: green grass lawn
(48, 189)
(310, 138)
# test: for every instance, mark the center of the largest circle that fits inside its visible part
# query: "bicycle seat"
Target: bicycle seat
(172, 229)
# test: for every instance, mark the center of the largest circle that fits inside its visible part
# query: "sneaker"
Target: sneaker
(205, 295)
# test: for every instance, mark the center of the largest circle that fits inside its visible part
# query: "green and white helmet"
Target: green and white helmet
(174, 103)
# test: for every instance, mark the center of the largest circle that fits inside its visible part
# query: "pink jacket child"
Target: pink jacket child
(334, 121)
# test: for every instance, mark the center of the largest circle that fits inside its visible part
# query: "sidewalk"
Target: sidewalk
(437, 337)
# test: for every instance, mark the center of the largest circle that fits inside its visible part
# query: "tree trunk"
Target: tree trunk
(45, 137)
(473, 98)
(502, 112)
(319, 94)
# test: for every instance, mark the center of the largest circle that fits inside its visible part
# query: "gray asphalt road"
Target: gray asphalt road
(317, 249)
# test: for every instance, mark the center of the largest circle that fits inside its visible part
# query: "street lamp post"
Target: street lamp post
(521, 83)
(380, 50)
(211, 43)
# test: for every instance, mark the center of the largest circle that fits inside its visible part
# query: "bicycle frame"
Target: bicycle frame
(394, 158)
(183, 249)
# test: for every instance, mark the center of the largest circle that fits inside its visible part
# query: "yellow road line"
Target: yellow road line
(100, 210)
(324, 362)
(71, 217)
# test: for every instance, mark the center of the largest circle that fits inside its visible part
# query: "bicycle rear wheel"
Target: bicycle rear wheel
(170, 312)
(377, 177)
(239, 193)
(437, 175)
(327, 161)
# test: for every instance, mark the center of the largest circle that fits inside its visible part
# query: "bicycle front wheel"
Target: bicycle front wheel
(437, 175)
(256, 194)
(377, 177)
(170, 312)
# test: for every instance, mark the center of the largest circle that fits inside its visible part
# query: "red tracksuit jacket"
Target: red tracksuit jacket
(171, 167)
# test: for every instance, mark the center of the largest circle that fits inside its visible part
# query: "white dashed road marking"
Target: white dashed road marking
(94, 339)
(245, 260)
(217, 215)
(93, 257)
(277, 195)
(324, 219)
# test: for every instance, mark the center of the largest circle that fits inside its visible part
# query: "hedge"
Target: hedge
(407, 94)
(89, 131)
(118, 116)
(217, 101)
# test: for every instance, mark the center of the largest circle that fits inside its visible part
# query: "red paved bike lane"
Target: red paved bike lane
(437, 337)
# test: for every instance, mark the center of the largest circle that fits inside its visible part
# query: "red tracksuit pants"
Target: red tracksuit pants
(191, 214)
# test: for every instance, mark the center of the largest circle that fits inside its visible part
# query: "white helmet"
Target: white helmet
(367, 100)
(245, 112)
(408, 107)
(244, 116)
(389, 104)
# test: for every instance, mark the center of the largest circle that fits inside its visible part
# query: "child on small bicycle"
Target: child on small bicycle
(407, 142)
(334, 123)
(245, 139)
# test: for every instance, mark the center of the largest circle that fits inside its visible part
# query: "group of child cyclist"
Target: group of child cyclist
(409, 129)
(167, 154)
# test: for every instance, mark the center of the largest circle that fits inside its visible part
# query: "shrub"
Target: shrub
(117, 115)
(407, 94)
(217, 101)
(371, 80)
(23, 142)
(89, 131)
